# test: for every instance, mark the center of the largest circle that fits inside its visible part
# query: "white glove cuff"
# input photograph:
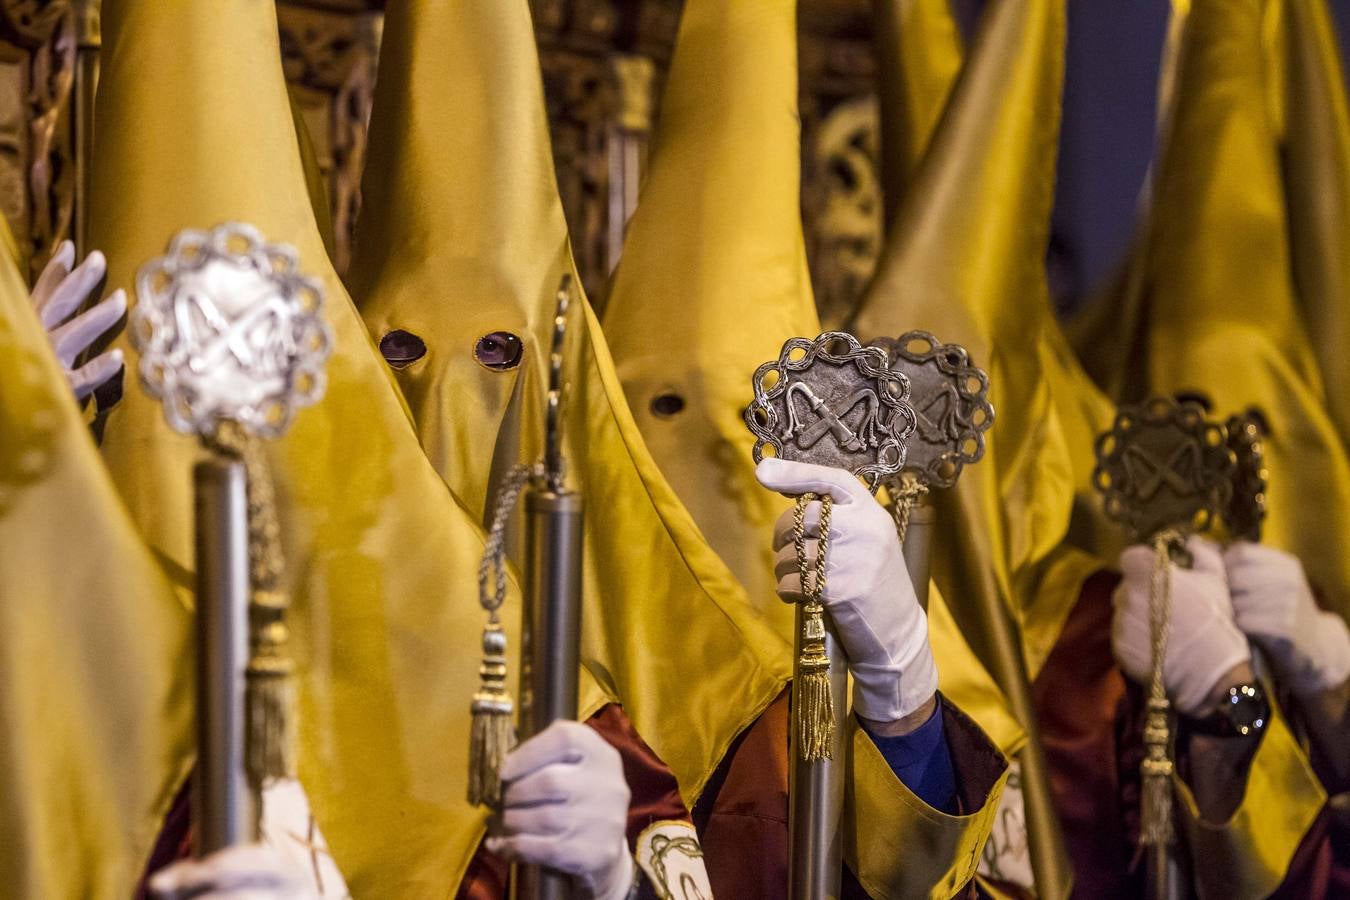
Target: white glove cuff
(619, 881)
(891, 692)
(1193, 691)
(1328, 663)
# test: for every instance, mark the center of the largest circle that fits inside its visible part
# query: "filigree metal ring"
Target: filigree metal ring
(1164, 465)
(951, 400)
(833, 402)
(1246, 511)
(228, 328)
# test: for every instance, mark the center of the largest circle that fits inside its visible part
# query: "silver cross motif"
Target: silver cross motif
(228, 328)
(833, 402)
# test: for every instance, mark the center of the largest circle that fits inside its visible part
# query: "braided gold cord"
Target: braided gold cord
(491, 730)
(264, 530)
(494, 549)
(907, 492)
(1160, 607)
(1156, 828)
(269, 694)
(814, 706)
(812, 588)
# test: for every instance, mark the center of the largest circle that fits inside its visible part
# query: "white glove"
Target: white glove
(247, 872)
(867, 588)
(1309, 647)
(565, 806)
(58, 293)
(1204, 642)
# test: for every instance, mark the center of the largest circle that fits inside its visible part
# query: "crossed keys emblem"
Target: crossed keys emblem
(229, 329)
(1149, 475)
(833, 402)
(831, 418)
(1164, 465)
(951, 400)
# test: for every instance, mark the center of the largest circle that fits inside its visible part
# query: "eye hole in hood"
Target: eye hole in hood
(667, 405)
(402, 348)
(500, 351)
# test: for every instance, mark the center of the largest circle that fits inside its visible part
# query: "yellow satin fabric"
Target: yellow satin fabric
(194, 130)
(896, 844)
(1317, 179)
(11, 249)
(462, 235)
(713, 277)
(1246, 857)
(965, 260)
(710, 285)
(95, 701)
(964, 680)
(314, 180)
(919, 47)
(1216, 281)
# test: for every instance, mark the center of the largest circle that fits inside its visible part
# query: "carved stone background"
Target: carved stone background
(38, 59)
(597, 57)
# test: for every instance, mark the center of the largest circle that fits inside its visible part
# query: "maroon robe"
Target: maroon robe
(742, 817)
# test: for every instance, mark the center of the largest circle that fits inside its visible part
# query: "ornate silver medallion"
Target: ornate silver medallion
(1164, 465)
(833, 402)
(951, 401)
(230, 330)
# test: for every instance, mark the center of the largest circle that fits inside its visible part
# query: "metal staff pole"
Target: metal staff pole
(917, 548)
(1146, 438)
(229, 398)
(816, 789)
(554, 541)
(801, 403)
(222, 802)
(553, 545)
(1163, 871)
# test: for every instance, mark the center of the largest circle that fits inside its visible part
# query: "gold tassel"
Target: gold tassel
(269, 692)
(815, 706)
(491, 734)
(1156, 804)
(1156, 826)
(814, 703)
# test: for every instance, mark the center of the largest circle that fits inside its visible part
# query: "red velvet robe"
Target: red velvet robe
(742, 817)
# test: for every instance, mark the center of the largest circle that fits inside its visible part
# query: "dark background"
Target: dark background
(1107, 141)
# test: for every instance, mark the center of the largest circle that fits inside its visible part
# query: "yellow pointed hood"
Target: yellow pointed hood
(1317, 174)
(194, 130)
(95, 682)
(964, 259)
(713, 276)
(463, 236)
(920, 50)
(1218, 287)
